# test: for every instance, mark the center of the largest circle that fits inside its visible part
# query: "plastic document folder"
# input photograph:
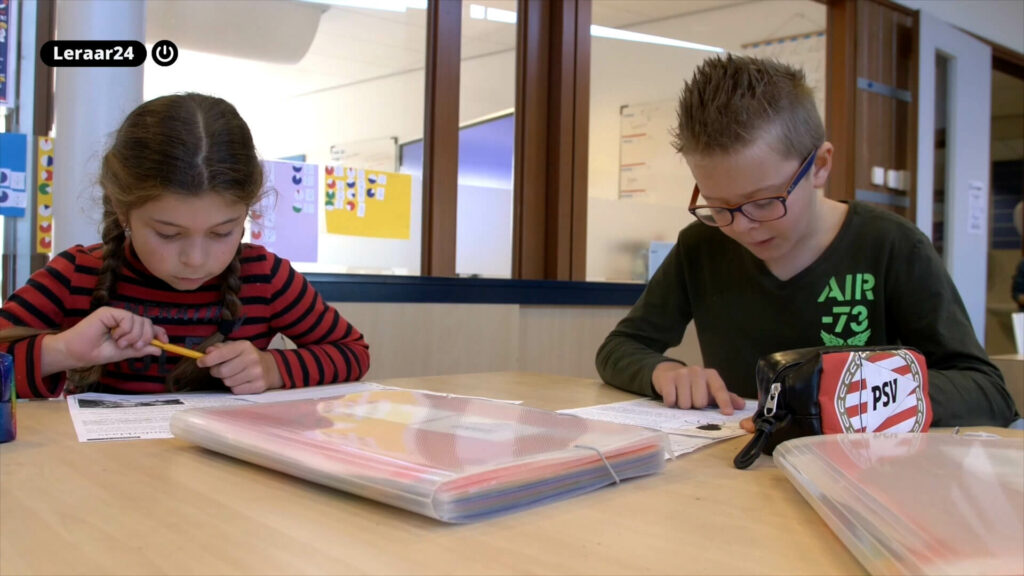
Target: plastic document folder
(453, 458)
(917, 503)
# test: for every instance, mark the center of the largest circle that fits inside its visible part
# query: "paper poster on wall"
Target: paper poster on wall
(8, 17)
(44, 195)
(649, 168)
(635, 147)
(371, 154)
(977, 208)
(361, 202)
(13, 158)
(634, 180)
(286, 221)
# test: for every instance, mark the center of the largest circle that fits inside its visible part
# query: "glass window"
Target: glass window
(329, 83)
(641, 54)
(487, 93)
(487, 83)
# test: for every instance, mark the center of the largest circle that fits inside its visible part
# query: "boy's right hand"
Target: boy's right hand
(104, 336)
(684, 386)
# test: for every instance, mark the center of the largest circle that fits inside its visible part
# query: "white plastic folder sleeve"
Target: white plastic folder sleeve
(453, 458)
(916, 503)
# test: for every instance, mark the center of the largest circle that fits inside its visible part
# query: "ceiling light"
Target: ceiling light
(615, 33)
(499, 15)
(478, 12)
(386, 5)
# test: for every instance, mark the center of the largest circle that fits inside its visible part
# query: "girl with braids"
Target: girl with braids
(177, 184)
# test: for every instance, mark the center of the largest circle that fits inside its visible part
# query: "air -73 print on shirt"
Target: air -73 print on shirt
(846, 322)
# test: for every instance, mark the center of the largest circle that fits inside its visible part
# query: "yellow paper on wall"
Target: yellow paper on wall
(371, 203)
(44, 195)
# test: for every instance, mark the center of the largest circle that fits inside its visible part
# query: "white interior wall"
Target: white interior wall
(487, 86)
(1001, 21)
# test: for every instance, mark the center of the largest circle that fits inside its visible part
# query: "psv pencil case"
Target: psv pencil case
(834, 390)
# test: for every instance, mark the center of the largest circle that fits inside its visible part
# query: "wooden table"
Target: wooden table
(169, 507)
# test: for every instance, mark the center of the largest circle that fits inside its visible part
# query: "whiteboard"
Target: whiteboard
(650, 170)
(372, 154)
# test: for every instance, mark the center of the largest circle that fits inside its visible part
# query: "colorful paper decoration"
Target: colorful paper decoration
(285, 221)
(367, 203)
(44, 195)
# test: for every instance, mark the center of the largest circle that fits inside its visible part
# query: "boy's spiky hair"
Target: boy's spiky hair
(733, 100)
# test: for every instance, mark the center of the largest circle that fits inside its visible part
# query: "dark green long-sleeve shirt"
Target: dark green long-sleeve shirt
(879, 282)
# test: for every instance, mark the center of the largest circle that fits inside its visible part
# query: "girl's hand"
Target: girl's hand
(244, 368)
(105, 336)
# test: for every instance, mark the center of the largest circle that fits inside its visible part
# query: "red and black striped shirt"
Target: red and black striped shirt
(275, 299)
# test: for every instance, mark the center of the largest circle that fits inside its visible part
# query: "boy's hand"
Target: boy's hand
(106, 335)
(244, 368)
(693, 387)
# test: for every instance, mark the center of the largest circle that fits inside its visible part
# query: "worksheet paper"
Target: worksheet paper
(688, 429)
(104, 417)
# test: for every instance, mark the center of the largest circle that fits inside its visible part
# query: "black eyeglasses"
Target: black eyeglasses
(759, 209)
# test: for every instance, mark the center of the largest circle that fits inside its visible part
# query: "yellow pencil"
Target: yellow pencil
(176, 349)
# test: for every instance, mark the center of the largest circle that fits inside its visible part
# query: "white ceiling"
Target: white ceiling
(617, 13)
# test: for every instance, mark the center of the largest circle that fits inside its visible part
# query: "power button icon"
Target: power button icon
(165, 53)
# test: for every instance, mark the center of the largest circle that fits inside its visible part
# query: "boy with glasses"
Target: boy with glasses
(772, 265)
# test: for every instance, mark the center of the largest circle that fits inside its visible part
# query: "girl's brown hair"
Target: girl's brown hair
(733, 100)
(185, 144)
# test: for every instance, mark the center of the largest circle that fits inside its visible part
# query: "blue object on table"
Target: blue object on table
(8, 422)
